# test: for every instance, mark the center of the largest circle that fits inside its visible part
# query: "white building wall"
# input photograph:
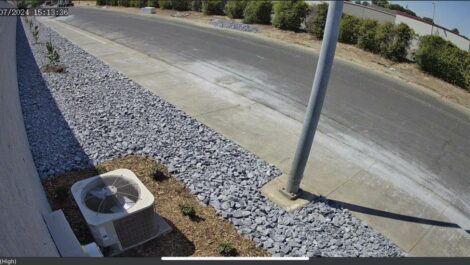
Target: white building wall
(422, 28)
(368, 12)
(23, 202)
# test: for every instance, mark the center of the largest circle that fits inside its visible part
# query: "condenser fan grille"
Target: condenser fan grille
(112, 194)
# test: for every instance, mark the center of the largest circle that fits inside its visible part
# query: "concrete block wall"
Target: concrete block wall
(22, 199)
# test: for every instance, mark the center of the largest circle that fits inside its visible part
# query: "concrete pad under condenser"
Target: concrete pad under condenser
(272, 190)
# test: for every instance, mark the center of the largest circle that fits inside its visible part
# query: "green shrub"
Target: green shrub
(444, 60)
(213, 7)
(159, 173)
(196, 5)
(398, 47)
(258, 12)
(367, 35)
(227, 249)
(52, 55)
(384, 35)
(100, 2)
(289, 14)
(21, 4)
(393, 41)
(187, 210)
(36, 3)
(152, 3)
(100, 170)
(165, 4)
(349, 29)
(316, 23)
(123, 3)
(137, 3)
(35, 33)
(181, 5)
(235, 8)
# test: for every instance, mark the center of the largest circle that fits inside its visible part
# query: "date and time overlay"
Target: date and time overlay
(39, 11)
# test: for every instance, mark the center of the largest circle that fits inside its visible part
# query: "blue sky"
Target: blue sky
(449, 14)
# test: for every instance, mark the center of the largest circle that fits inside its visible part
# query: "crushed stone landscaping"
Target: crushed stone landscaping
(92, 113)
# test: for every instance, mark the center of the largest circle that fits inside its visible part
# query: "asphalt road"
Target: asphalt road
(425, 132)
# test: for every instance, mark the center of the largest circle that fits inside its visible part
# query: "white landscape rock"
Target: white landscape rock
(148, 10)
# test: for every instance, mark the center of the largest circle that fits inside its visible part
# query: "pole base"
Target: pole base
(289, 195)
(289, 202)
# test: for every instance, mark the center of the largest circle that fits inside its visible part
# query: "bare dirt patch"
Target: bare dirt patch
(408, 72)
(54, 68)
(200, 235)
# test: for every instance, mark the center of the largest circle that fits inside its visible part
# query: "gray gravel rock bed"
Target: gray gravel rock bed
(231, 24)
(93, 113)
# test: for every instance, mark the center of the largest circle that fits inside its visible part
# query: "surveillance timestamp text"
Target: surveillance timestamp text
(56, 11)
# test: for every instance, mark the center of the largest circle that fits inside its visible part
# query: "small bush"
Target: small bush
(316, 24)
(137, 3)
(21, 4)
(227, 249)
(61, 193)
(384, 35)
(35, 33)
(100, 170)
(123, 3)
(444, 60)
(152, 3)
(100, 2)
(367, 35)
(52, 55)
(181, 5)
(213, 7)
(196, 5)
(289, 14)
(258, 12)
(235, 8)
(165, 4)
(187, 210)
(349, 29)
(398, 47)
(159, 173)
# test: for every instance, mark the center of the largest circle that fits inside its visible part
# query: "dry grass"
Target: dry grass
(408, 72)
(200, 236)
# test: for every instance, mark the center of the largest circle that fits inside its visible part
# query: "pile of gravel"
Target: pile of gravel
(230, 24)
(93, 113)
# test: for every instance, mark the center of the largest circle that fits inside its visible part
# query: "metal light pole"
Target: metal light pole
(320, 83)
(433, 16)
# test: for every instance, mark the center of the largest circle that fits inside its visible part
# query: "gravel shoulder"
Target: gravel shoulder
(91, 114)
(407, 72)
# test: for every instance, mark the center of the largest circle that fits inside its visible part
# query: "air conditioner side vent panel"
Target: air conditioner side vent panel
(136, 228)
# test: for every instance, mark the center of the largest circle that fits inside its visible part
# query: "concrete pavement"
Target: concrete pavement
(418, 223)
